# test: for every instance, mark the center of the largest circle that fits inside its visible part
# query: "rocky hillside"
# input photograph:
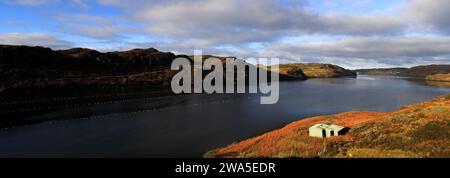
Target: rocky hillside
(31, 67)
(24, 61)
(23, 66)
(315, 70)
(419, 71)
(418, 130)
(291, 73)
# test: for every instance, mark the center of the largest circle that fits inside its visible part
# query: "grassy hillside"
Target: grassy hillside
(439, 80)
(424, 71)
(418, 130)
(439, 77)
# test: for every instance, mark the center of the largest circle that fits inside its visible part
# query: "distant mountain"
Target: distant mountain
(388, 71)
(419, 71)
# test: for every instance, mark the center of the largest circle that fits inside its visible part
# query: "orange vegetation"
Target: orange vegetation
(440, 80)
(439, 77)
(419, 130)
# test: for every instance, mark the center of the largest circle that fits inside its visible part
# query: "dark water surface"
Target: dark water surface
(188, 126)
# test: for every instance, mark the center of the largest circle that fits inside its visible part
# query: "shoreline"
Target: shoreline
(282, 140)
(156, 92)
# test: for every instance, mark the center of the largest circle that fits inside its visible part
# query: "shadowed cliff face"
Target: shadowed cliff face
(23, 61)
(292, 73)
(22, 66)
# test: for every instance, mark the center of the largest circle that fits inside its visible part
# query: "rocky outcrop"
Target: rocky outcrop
(292, 73)
(315, 70)
(23, 66)
(24, 61)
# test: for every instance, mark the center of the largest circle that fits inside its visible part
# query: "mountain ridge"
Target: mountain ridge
(28, 67)
(418, 71)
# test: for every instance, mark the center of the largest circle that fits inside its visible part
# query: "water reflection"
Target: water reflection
(439, 84)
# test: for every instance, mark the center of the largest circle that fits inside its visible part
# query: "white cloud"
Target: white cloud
(30, 2)
(80, 3)
(34, 39)
(92, 26)
(77, 3)
(231, 27)
(378, 51)
(234, 21)
(432, 13)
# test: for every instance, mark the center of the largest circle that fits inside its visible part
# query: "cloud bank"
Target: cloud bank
(408, 33)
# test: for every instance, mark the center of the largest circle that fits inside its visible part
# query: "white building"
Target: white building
(323, 130)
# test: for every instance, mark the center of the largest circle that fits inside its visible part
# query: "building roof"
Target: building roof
(328, 127)
(335, 127)
(320, 126)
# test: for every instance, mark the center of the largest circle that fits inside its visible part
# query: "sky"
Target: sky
(351, 33)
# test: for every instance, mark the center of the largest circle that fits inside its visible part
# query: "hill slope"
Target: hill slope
(439, 80)
(439, 77)
(23, 66)
(315, 70)
(418, 71)
(418, 130)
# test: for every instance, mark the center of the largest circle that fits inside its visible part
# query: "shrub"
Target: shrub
(400, 118)
(433, 131)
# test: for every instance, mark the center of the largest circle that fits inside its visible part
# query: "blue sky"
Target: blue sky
(354, 7)
(354, 34)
